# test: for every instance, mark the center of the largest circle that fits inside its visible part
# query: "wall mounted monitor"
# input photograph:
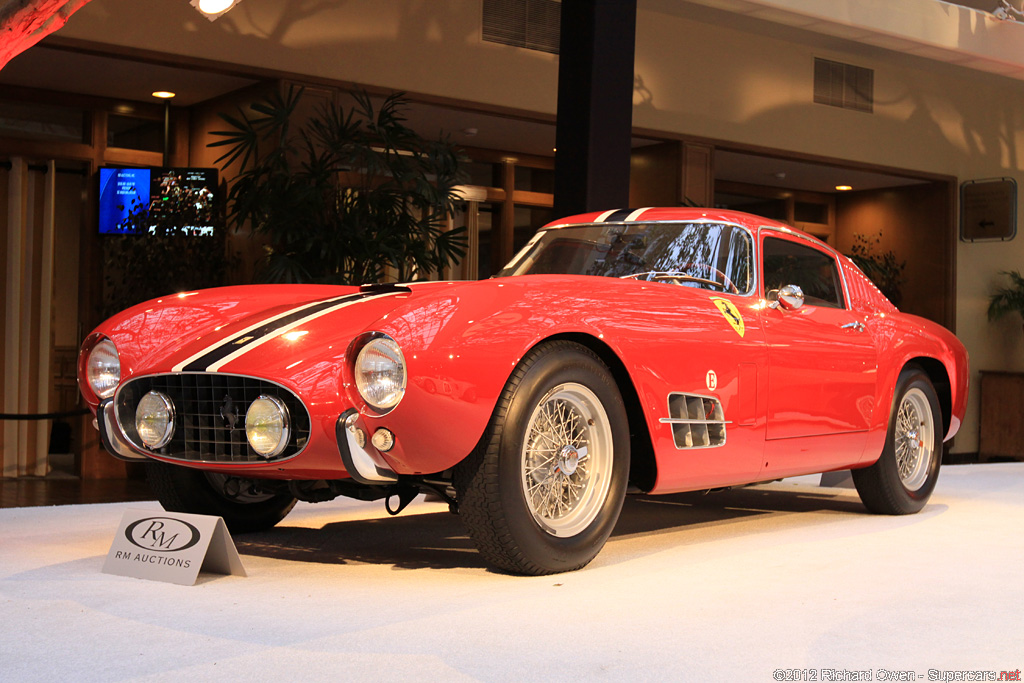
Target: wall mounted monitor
(137, 200)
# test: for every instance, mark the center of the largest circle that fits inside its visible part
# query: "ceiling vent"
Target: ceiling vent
(533, 24)
(844, 85)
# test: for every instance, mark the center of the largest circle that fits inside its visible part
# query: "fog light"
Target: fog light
(154, 420)
(383, 440)
(267, 426)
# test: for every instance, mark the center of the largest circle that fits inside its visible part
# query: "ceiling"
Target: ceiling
(70, 70)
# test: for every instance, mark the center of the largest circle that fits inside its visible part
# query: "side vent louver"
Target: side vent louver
(844, 85)
(533, 24)
(697, 421)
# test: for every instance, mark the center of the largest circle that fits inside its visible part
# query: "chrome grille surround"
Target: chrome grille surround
(210, 416)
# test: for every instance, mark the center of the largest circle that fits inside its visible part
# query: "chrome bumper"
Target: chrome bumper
(110, 435)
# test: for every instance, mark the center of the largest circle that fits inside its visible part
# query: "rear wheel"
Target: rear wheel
(544, 490)
(242, 505)
(903, 478)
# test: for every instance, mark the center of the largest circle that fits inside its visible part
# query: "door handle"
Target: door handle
(855, 325)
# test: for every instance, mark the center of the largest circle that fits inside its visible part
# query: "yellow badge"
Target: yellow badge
(730, 313)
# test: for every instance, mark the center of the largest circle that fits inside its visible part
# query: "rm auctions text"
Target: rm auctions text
(944, 675)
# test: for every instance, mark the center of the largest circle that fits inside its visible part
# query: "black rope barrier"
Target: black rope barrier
(44, 416)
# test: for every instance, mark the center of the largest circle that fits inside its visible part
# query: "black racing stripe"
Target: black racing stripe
(229, 346)
(619, 215)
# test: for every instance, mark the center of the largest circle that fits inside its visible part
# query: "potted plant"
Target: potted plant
(884, 269)
(1008, 299)
(345, 196)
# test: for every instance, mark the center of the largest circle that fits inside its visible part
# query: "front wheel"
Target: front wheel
(902, 479)
(243, 506)
(544, 490)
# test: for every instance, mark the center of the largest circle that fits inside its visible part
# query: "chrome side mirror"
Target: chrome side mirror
(789, 297)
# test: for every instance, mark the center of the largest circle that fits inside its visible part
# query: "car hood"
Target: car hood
(282, 331)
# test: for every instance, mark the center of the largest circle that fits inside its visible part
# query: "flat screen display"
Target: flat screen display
(131, 199)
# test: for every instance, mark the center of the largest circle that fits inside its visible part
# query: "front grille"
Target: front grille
(209, 415)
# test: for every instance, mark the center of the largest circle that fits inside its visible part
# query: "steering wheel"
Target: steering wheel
(682, 277)
(725, 284)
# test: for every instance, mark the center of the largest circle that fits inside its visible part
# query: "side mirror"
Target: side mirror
(789, 297)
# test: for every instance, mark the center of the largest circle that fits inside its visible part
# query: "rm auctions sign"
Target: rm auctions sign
(172, 547)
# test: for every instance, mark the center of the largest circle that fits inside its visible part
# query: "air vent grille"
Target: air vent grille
(533, 24)
(697, 421)
(844, 85)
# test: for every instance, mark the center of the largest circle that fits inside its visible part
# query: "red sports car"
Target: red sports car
(665, 349)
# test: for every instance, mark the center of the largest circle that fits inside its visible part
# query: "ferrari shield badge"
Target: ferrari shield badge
(730, 313)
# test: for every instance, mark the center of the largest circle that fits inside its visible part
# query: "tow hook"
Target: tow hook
(406, 494)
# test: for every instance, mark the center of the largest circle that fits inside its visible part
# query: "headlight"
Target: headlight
(267, 426)
(154, 420)
(103, 369)
(380, 373)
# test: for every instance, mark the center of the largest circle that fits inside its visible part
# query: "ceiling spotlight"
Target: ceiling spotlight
(163, 94)
(843, 188)
(212, 9)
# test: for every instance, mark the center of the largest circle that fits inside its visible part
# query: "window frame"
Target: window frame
(767, 232)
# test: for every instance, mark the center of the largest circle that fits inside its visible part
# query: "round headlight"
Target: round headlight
(154, 420)
(103, 369)
(380, 373)
(267, 426)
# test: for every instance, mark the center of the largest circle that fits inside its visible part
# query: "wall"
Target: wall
(744, 82)
(913, 223)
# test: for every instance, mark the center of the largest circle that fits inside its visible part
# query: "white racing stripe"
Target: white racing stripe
(276, 333)
(249, 345)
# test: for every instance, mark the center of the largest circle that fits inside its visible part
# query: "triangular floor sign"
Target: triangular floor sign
(171, 547)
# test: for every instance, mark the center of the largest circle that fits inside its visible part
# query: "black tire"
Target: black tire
(182, 489)
(903, 478)
(562, 390)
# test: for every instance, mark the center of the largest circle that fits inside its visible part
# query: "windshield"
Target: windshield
(713, 256)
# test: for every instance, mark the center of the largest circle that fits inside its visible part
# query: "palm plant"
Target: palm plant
(1007, 299)
(344, 197)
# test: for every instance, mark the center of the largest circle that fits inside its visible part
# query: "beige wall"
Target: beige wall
(693, 79)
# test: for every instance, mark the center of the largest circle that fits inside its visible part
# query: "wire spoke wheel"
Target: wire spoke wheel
(915, 434)
(566, 459)
(542, 492)
(903, 478)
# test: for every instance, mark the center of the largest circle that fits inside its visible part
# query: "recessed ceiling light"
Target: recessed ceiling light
(163, 94)
(212, 9)
(843, 188)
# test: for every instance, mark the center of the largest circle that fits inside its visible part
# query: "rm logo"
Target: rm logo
(162, 534)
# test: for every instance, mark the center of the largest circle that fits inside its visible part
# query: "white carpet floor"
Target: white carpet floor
(733, 586)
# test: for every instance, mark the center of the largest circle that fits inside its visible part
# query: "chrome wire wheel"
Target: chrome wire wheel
(914, 439)
(567, 458)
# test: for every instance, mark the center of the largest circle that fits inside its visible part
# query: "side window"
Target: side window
(815, 272)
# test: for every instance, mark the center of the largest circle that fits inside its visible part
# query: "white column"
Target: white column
(44, 377)
(16, 212)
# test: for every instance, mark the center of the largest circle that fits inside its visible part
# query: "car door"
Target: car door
(822, 364)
